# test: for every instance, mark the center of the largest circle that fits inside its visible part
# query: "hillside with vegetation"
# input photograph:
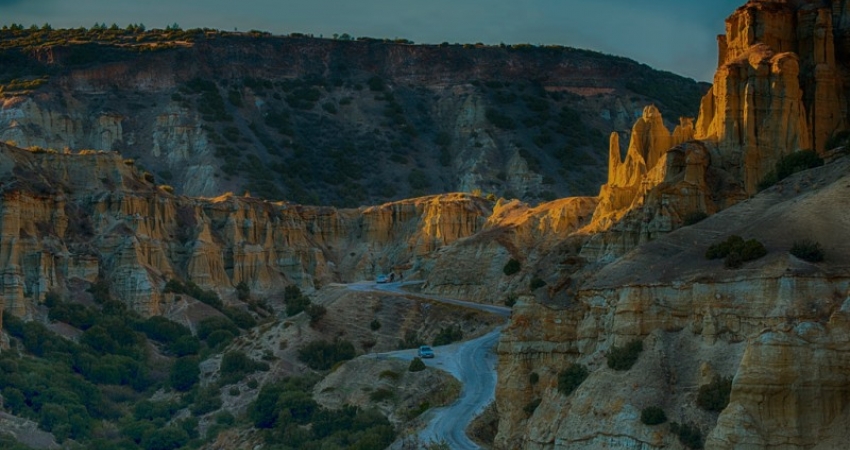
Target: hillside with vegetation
(342, 121)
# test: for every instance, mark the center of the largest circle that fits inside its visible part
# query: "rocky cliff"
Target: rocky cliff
(67, 219)
(776, 327)
(781, 84)
(318, 121)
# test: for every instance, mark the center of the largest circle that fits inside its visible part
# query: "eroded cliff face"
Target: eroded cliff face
(777, 327)
(781, 84)
(67, 219)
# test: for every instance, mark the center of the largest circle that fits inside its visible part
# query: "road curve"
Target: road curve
(472, 362)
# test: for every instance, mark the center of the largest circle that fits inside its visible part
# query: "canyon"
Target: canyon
(595, 273)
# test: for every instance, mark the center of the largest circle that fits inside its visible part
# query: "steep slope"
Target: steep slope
(333, 122)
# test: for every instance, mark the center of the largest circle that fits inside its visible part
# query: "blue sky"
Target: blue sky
(674, 35)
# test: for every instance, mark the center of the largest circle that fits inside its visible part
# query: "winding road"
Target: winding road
(472, 362)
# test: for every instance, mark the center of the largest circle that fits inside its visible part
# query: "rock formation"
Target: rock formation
(778, 328)
(781, 84)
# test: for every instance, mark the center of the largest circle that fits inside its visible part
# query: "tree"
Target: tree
(185, 373)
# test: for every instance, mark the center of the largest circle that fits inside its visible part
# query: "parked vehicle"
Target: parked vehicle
(381, 279)
(426, 352)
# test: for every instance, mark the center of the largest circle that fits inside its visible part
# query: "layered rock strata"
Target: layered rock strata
(781, 84)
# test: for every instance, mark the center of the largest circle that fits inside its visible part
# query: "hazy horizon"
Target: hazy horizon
(664, 34)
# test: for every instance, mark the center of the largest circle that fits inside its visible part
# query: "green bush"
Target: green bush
(653, 415)
(375, 325)
(185, 373)
(417, 365)
(510, 300)
(807, 250)
(536, 283)
(531, 406)
(533, 378)
(569, 380)
(511, 267)
(789, 165)
(689, 435)
(322, 355)
(499, 120)
(316, 312)
(715, 395)
(448, 335)
(208, 326)
(623, 358)
(381, 394)
(694, 217)
(736, 251)
(235, 365)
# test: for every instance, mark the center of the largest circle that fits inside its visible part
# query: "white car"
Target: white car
(382, 279)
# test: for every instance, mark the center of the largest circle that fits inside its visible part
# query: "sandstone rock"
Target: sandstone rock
(778, 87)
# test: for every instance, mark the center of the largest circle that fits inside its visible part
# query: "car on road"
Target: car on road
(426, 352)
(382, 279)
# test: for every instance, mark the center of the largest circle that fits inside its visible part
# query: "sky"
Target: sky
(674, 35)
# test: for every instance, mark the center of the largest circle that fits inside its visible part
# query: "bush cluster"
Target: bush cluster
(736, 251)
(694, 217)
(322, 355)
(807, 250)
(689, 434)
(569, 380)
(789, 165)
(448, 335)
(623, 358)
(511, 267)
(653, 415)
(285, 412)
(715, 395)
(416, 365)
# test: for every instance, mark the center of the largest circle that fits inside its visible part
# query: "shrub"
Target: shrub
(322, 355)
(499, 120)
(623, 358)
(513, 266)
(531, 406)
(569, 380)
(536, 283)
(736, 251)
(789, 165)
(375, 325)
(533, 378)
(316, 312)
(235, 365)
(206, 401)
(416, 365)
(694, 217)
(380, 395)
(689, 434)
(715, 395)
(807, 250)
(211, 324)
(185, 373)
(653, 415)
(448, 335)
(510, 300)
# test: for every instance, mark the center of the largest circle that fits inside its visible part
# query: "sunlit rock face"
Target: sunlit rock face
(780, 85)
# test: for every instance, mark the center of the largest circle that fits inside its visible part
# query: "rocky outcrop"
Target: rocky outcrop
(780, 86)
(778, 327)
